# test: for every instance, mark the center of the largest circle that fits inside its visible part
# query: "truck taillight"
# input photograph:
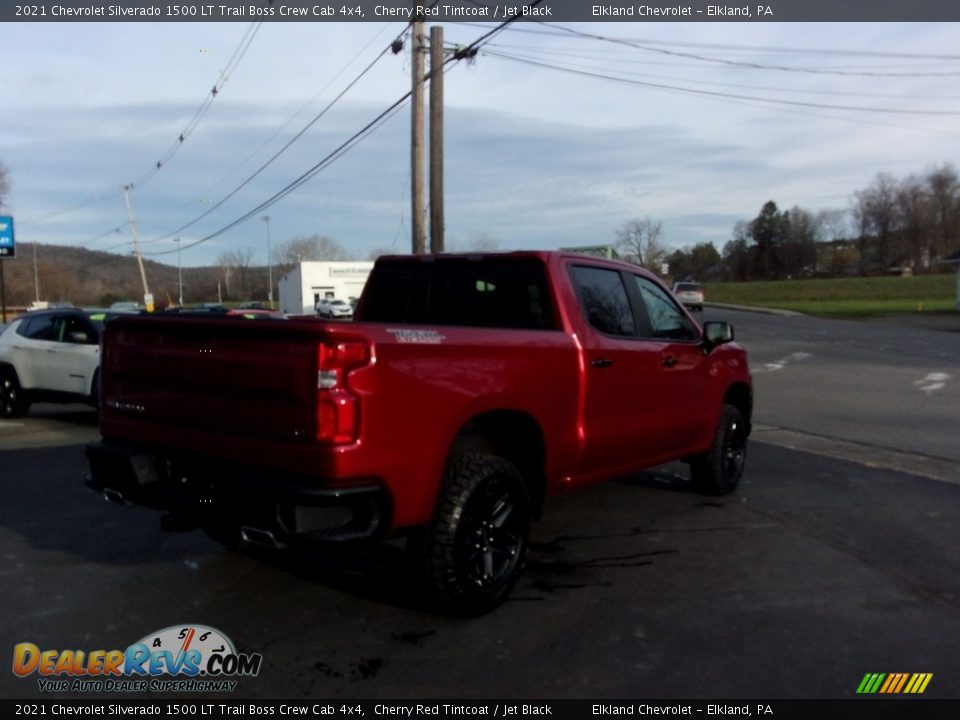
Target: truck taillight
(338, 410)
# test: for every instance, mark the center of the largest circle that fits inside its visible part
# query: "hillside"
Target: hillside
(92, 278)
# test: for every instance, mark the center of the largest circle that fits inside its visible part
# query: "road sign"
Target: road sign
(7, 245)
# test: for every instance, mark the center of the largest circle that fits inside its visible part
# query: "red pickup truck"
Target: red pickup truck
(466, 389)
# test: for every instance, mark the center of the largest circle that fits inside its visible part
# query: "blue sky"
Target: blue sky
(535, 157)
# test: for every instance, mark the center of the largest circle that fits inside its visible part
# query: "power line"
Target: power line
(741, 63)
(784, 50)
(468, 51)
(717, 94)
(222, 79)
(191, 125)
(526, 53)
(286, 124)
(277, 154)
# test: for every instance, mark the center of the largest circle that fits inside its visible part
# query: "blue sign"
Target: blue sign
(7, 246)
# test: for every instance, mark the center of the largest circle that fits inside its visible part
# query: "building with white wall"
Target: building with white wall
(301, 288)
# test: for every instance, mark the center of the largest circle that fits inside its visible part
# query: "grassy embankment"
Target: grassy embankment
(844, 297)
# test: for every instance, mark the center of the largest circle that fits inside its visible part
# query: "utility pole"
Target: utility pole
(436, 139)
(147, 297)
(179, 273)
(416, 140)
(266, 219)
(36, 276)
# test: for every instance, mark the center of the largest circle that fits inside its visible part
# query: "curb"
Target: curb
(754, 309)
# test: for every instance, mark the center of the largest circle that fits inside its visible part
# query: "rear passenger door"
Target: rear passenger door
(621, 402)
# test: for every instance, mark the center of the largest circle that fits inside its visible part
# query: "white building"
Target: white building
(301, 288)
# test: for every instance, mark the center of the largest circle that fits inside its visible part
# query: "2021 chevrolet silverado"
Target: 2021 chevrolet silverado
(467, 388)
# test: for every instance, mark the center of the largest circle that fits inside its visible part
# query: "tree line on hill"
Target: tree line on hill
(904, 226)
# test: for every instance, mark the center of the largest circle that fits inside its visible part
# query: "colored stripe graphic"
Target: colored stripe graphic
(894, 683)
(870, 683)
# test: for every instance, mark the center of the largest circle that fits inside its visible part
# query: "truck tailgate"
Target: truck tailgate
(203, 377)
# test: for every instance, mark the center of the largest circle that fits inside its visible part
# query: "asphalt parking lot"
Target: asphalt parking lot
(824, 566)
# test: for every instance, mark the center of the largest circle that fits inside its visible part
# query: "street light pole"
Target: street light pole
(266, 219)
(179, 271)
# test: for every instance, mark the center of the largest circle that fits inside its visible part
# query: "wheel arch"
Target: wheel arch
(740, 395)
(513, 435)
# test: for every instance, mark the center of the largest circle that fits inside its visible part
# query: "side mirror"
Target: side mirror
(717, 333)
(77, 336)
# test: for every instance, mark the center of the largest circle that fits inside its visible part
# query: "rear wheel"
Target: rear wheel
(13, 399)
(473, 552)
(718, 471)
(95, 391)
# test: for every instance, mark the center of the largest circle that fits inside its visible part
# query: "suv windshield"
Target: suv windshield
(688, 287)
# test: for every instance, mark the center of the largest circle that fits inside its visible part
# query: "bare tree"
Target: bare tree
(310, 248)
(482, 242)
(913, 203)
(944, 189)
(638, 241)
(235, 266)
(477, 242)
(834, 224)
(878, 217)
(801, 244)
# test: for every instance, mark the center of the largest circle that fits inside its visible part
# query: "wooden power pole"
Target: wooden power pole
(147, 297)
(436, 139)
(416, 140)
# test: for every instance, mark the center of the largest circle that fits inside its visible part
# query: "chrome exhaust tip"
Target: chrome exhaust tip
(114, 496)
(257, 536)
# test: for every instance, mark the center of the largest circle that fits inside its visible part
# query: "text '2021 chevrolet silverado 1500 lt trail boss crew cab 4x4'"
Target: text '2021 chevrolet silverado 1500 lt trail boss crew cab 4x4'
(467, 388)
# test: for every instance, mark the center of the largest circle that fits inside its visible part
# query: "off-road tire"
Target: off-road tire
(13, 400)
(718, 471)
(473, 551)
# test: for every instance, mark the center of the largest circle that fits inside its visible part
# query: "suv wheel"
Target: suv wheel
(718, 471)
(473, 551)
(13, 400)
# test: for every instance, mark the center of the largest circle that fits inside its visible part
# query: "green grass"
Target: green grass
(843, 297)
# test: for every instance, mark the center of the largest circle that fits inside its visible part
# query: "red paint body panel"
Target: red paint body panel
(246, 392)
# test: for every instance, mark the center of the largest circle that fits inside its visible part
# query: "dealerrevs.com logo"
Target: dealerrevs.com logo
(180, 658)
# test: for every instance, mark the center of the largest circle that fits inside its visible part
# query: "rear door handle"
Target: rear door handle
(601, 362)
(668, 361)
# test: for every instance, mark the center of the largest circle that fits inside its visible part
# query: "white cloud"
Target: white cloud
(535, 157)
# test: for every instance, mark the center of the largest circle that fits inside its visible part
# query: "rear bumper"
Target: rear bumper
(259, 506)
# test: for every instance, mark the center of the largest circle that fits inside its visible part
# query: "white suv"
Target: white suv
(334, 309)
(690, 294)
(50, 355)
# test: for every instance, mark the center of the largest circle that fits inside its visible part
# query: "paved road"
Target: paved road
(816, 572)
(882, 385)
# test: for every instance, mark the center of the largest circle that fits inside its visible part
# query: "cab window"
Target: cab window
(604, 299)
(667, 320)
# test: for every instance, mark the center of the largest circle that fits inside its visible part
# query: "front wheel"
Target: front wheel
(718, 471)
(473, 552)
(13, 400)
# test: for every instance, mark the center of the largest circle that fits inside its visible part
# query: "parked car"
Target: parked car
(334, 309)
(470, 387)
(256, 314)
(690, 294)
(50, 355)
